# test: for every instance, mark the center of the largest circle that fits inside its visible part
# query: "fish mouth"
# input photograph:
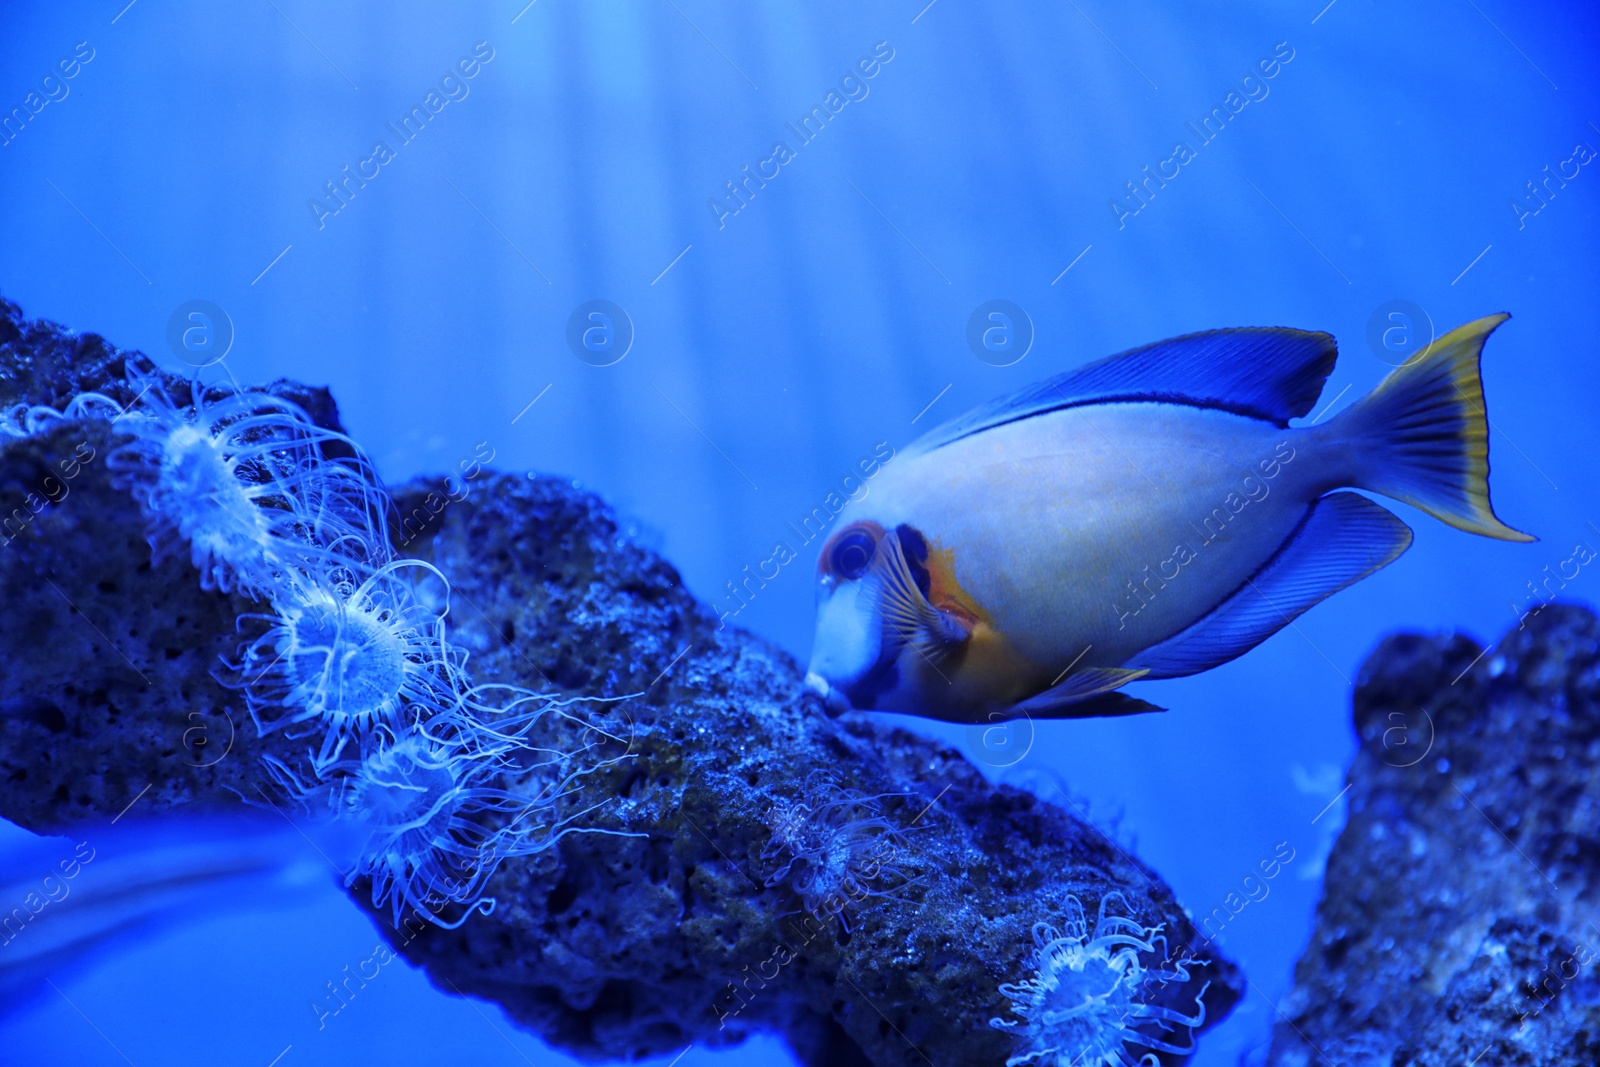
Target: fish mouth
(836, 702)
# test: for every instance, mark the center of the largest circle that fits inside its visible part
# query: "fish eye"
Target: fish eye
(851, 553)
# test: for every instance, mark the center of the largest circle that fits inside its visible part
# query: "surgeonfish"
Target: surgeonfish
(1150, 515)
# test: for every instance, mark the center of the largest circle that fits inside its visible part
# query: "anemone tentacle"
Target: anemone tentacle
(433, 827)
(253, 486)
(25, 420)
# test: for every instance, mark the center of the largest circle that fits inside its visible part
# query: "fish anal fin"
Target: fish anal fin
(1344, 538)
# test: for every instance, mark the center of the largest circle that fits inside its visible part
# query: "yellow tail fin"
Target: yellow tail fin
(1422, 436)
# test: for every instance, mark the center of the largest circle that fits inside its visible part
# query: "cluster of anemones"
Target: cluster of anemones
(351, 652)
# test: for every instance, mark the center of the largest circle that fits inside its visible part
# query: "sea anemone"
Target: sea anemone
(253, 486)
(423, 849)
(833, 847)
(1087, 1001)
(343, 658)
(432, 825)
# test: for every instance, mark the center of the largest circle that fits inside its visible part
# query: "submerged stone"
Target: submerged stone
(1459, 920)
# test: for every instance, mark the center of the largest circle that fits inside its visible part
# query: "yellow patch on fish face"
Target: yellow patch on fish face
(987, 673)
(974, 684)
(993, 674)
(945, 592)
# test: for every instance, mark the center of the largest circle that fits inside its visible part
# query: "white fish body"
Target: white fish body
(1092, 528)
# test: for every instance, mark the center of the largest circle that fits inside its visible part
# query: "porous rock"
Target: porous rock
(1460, 916)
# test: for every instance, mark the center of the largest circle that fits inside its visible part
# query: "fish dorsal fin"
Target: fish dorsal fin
(1269, 373)
(1345, 538)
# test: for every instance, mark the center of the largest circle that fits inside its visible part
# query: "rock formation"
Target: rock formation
(1460, 916)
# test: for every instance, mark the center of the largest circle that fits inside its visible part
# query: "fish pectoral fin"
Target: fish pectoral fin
(1088, 693)
(1343, 539)
(905, 611)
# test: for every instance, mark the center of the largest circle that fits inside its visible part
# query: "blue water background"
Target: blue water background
(821, 319)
